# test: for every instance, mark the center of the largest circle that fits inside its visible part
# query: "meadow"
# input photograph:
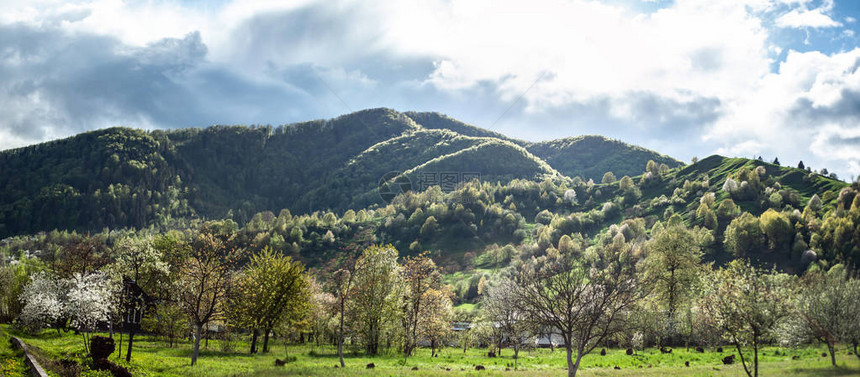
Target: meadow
(153, 357)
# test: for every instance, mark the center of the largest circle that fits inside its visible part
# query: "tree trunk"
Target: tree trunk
(130, 343)
(832, 348)
(254, 341)
(197, 332)
(340, 340)
(855, 350)
(743, 361)
(516, 354)
(266, 341)
(572, 366)
(120, 344)
(755, 357)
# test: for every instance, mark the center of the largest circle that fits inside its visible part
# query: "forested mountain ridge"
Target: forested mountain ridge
(591, 156)
(120, 177)
(312, 190)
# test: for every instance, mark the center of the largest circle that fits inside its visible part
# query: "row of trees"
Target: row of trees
(630, 293)
(201, 279)
(190, 282)
(381, 298)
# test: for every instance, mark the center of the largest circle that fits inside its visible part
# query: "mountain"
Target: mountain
(120, 177)
(473, 200)
(591, 156)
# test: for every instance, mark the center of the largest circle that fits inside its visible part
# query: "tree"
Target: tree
(89, 302)
(271, 289)
(288, 298)
(815, 204)
(205, 280)
(744, 235)
(825, 309)
(429, 227)
(608, 178)
(851, 332)
(435, 317)
(672, 267)
(727, 209)
(776, 161)
(747, 304)
(626, 183)
(420, 275)
(500, 308)
(323, 310)
(44, 302)
(777, 227)
(801, 166)
(375, 294)
(343, 279)
(138, 260)
(80, 256)
(652, 167)
(584, 299)
(169, 322)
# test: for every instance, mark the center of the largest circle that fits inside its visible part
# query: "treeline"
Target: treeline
(119, 177)
(625, 286)
(742, 210)
(122, 177)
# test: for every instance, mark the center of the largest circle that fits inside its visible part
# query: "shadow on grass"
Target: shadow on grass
(837, 371)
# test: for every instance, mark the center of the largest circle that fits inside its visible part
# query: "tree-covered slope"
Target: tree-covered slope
(248, 170)
(119, 177)
(108, 178)
(591, 156)
(443, 122)
(425, 156)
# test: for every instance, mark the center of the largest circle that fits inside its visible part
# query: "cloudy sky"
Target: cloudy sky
(776, 78)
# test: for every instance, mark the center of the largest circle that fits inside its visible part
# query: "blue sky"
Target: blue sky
(776, 78)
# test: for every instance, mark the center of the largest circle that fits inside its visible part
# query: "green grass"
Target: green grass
(11, 360)
(152, 357)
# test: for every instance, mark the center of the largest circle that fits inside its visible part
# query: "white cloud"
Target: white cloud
(809, 105)
(802, 17)
(837, 142)
(691, 65)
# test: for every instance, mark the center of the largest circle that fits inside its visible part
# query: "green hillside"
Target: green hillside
(425, 156)
(444, 122)
(476, 203)
(591, 156)
(121, 177)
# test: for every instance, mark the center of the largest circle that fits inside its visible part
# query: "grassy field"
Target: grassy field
(11, 360)
(152, 357)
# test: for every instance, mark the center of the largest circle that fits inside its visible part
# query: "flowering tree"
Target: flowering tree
(89, 302)
(44, 302)
(747, 304)
(500, 309)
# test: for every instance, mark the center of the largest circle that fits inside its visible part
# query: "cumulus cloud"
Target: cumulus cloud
(809, 18)
(704, 72)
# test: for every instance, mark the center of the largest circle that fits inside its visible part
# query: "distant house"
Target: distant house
(461, 325)
(550, 340)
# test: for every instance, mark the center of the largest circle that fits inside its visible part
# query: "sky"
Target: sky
(770, 78)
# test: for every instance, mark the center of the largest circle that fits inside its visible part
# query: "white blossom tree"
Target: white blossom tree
(44, 302)
(89, 302)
